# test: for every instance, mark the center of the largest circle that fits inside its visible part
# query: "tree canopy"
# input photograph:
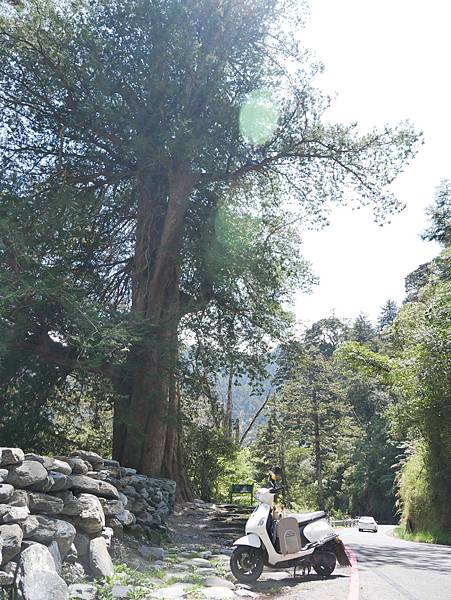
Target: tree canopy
(156, 161)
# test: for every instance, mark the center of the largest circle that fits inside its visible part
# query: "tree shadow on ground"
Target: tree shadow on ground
(432, 558)
(269, 585)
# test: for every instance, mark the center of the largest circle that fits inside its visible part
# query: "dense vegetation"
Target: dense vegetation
(159, 162)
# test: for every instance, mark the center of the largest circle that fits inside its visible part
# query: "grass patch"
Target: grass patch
(424, 535)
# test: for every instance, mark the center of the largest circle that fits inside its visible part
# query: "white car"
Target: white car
(367, 524)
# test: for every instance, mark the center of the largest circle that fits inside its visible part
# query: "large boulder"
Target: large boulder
(19, 498)
(28, 473)
(44, 503)
(60, 481)
(83, 483)
(51, 529)
(78, 465)
(111, 507)
(99, 558)
(91, 519)
(6, 492)
(91, 457)
(29, 526)
(37, 578)
(72, 506)
(11, 456)
(106, 490)
(13, 514)
(12, 537)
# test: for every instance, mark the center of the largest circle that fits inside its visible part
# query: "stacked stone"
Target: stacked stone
(150, 500)
(62, 513)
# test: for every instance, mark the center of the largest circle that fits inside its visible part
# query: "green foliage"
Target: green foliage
(236, 468)
(440, 215)
(206, 450)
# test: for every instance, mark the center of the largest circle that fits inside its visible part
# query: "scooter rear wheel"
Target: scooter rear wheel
(246, 563)
(324, 564)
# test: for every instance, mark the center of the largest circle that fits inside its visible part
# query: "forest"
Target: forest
(160, 162)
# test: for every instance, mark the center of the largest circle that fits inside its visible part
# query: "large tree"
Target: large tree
(138, 138)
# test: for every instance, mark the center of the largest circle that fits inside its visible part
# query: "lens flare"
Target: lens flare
(259, 116)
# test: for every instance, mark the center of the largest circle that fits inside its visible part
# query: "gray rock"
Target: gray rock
(177, 590)
(8, 574)
(43, 486)
(11, 536)
(56, 555)
(27, 473)
(151, 552)
(216, 593)
(58, 466)
(99, 558)
(29, 526)
(218, 582)
(51, 529)
(116, 526)
(91, 518)
(3, 475)
(127, 518)
(244, 593)
(60, 481)
(13, 514)
(121, 591)
(198, 562)
(107, 534)
(91, 457)
(72, 554)
(6, 579)
(81, 543)
(83, 483)
(109, 462)
(111, 508)
(19, 498)
(78, 465)
(11, 456)
(106, 490)
(71, 507)
(37, 578)
(82, 591)
(6, 492)
(44, 503)
(73, 572)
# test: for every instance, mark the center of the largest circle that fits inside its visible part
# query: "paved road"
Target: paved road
(387, 569)
(392, 569)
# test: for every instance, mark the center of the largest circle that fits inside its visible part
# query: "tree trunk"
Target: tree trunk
(146, 423)
(318, 457)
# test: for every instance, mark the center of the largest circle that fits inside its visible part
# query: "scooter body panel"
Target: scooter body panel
(319, 531)
(248, 540)
(257, 525)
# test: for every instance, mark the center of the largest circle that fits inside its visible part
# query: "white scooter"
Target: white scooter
(296, 540)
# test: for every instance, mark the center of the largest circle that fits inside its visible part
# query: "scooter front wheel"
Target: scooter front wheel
(246, 563)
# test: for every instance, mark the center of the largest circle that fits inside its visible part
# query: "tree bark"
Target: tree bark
(145, 436)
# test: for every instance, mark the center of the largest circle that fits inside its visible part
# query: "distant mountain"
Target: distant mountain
(247, 398)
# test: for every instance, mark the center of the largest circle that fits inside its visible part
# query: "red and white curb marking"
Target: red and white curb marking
(354, 584)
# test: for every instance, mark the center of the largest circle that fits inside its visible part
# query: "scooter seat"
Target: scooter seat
(309, 517)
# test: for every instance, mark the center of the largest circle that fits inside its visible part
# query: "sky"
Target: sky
(388, 61)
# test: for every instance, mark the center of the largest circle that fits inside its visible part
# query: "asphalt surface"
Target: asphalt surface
(386, 568)
(393, 569)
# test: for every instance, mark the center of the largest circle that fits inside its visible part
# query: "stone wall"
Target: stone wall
(62, 513)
